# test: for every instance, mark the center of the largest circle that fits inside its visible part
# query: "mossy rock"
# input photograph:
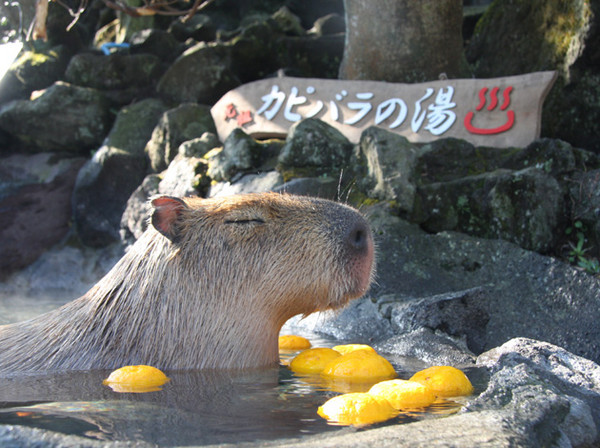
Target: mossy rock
(33, 70)
(240, 153)
(314, 147)
(253, 54)
(81, 125)
(201, 74)
(386, 166)
(525, 207)
(199, 27)
(450, 158)
(114, 71)
(572, 112)
(544, 35)
(523, 36)
(185, 122)
(133, 126)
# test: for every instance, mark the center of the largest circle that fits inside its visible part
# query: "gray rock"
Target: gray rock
(288, 22)
(571, 113)
(524, 207)
(35, 200)
(584, 195)
(160, 43)
(106, 181)
(312, 55)
(113, 72)
(12, 436)
(572, 107)
(460, 314)
(548, 392)
(240, 153)
(255, 50)
(134, 220)
(33, 71)
(555, 157)
(129, 25)
(199, 27)
(134, 125)
(526, 294)
(433, 348)
(198, 147)
(510, 193)
(449, 159)
(80, 126)
(123, 78)
(103, 186)
(250, 183)
(360, 321)
(312, 147)
(322, 187)
(176, 126)
(528, 24)
(390, 162)
(201, 74)
(180, 178)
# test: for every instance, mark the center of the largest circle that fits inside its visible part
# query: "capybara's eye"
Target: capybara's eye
(245, 221)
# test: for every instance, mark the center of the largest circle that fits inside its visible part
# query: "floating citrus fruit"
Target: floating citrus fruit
(136, 379)
(348, 348)
(402, 394)
(444, 381)
(293, 342)
(359, 365)
(356, 409)
(313, 360)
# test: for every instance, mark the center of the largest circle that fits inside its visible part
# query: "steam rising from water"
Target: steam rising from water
(57, 277)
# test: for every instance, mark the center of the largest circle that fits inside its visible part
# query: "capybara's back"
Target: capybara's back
(208, 285)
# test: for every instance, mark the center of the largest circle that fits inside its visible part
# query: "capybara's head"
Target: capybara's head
(208, 285)
(300, 254)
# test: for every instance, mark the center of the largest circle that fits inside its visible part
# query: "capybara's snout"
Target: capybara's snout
(358, 239)
(359, 249)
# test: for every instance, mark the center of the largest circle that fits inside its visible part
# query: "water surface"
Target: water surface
(193, 408)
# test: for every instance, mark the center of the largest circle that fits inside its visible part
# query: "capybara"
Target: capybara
(208, 285)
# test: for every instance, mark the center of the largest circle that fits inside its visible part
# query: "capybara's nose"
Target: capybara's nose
(358, 238)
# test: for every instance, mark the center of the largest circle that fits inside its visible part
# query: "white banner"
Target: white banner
(497, 112)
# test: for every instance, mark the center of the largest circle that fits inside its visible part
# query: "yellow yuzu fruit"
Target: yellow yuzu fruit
(348, 348)
(403, 394)
(293, 342)
(444, 381)
(359, 365)
(313, 360)
(139, 378)
(356, 409)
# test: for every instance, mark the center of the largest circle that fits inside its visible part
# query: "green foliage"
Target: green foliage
(577, 255)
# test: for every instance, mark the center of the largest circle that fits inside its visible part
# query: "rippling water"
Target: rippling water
(194, 408)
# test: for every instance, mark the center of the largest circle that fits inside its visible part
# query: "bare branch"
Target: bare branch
(196, 7)
(152, 7)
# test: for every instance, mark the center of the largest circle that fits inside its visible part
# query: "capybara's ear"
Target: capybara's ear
(165, 216)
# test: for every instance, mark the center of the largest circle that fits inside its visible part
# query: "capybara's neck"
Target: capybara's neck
(144, 312)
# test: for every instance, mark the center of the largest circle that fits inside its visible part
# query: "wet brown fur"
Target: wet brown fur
(210, 290)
